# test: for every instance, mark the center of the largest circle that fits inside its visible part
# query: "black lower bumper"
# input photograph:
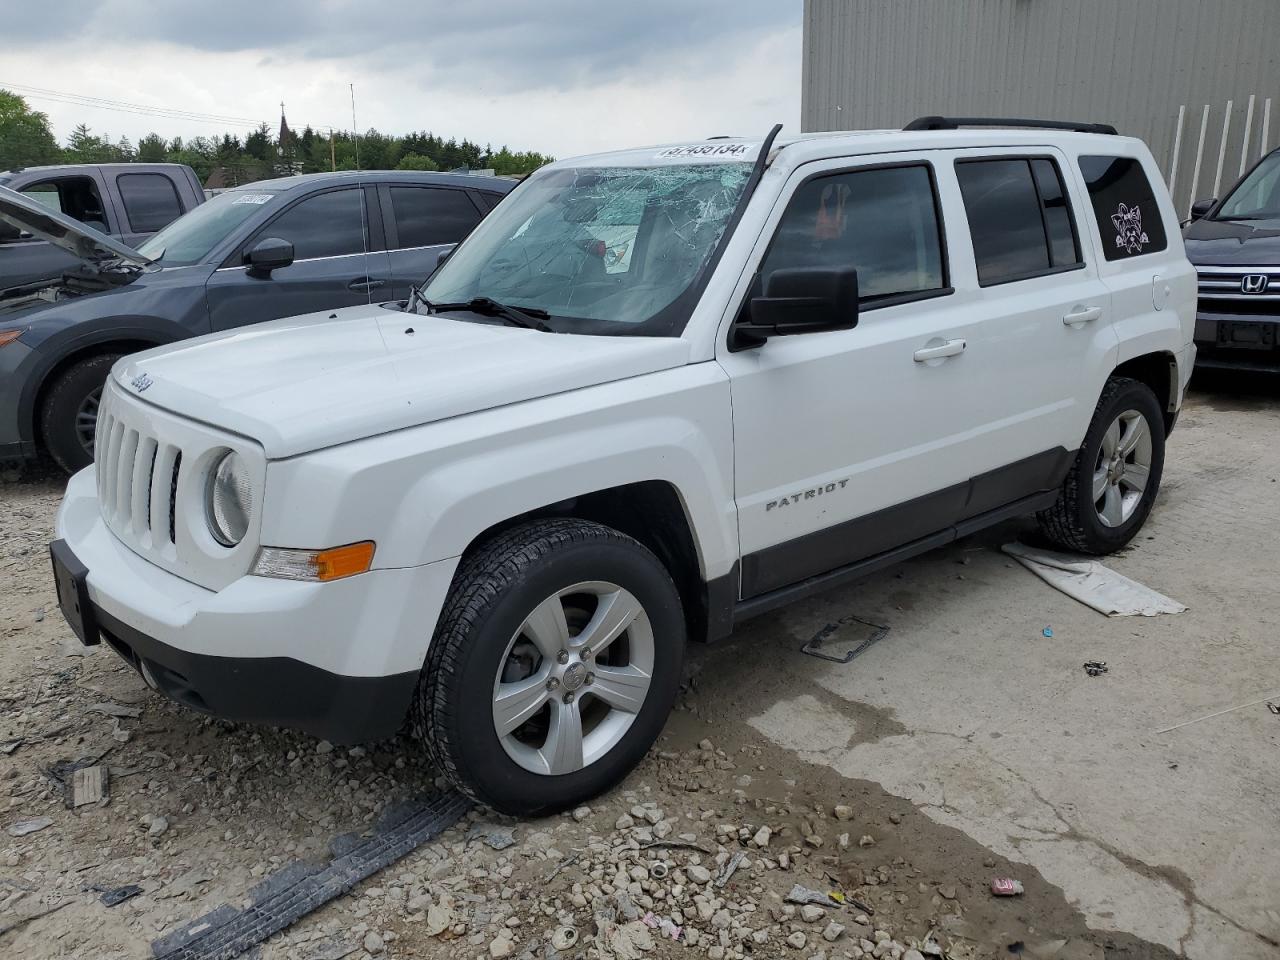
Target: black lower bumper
(277, 691)
(1246, 342)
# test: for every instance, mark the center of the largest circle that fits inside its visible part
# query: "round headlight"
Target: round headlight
(230, 500)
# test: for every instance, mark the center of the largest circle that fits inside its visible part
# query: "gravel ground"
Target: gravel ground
(199, 811)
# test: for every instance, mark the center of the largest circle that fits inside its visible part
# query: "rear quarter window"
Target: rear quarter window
(1124, 205)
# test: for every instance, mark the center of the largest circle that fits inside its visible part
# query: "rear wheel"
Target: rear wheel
(1113, 483)
(554, 666)
(69, 415)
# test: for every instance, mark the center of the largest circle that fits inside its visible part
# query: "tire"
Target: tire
(1100, 507)
(497, 639)
(70, 401)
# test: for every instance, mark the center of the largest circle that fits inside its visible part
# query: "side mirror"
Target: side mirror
(1200, 209)
(269, 253)
(800, 300)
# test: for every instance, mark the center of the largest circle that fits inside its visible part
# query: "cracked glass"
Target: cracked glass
(603, 250)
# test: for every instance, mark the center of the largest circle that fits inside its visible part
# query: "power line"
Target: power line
(123, 106)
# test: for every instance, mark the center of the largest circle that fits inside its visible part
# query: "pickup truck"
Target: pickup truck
(128, 201)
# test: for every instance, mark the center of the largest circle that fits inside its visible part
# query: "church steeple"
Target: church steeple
(286, 135)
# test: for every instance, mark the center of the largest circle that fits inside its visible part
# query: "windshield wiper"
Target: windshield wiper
(531, 318)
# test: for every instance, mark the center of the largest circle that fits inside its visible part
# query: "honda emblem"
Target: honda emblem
(1254, 283)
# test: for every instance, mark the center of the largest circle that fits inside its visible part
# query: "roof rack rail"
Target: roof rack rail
(955, 123)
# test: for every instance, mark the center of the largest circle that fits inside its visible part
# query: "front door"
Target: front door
(849, 443)
(338, 262)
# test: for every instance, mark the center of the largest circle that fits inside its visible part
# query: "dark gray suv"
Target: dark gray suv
(274, 249)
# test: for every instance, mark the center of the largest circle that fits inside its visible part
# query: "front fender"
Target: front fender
(426, 493)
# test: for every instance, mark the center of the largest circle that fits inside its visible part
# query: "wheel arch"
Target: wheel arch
(123, 339)
(1159, 371)
(653, 513)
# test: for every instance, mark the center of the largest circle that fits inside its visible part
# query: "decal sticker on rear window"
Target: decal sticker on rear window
(708, 151)
(255, 198)
(1129, 234)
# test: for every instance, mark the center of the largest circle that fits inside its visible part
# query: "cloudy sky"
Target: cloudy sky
(558, 76)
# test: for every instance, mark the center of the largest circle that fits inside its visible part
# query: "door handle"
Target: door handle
(943, 350)
(366, 284)
(1081, 316)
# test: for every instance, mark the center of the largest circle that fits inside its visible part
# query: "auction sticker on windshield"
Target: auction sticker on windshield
(709, 151)
(257, 198)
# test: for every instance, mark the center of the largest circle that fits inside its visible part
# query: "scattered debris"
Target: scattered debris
(1093, 584)
(184, 884)
(675, 845)
(805, 895)
(870, 634)
(1274, 708)
(1095, 668)
(88, 785)
(564, 937)
(296, 890)
(114, 896)
(8, 746)
(1006, 887)
(333, 948)
(665, 924)
(1048, 632)
(730, 868)
(1239, 706)
(658, 870)
(493, 835)
(24, 827)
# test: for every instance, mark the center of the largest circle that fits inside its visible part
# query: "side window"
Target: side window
(429, 215)
(1125, 206)
(150, 201)
(489, 200)
(883, 221)
(1019, 218)
(325, 225)
(77, 197)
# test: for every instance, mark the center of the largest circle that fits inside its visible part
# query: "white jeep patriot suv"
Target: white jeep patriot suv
(655, 393)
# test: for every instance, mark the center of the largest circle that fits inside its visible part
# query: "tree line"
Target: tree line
(26, 139)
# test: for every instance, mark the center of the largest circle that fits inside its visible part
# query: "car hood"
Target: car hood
(71, 235)
(319, 380)
(1231, 243)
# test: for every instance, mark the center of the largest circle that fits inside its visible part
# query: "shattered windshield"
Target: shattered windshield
(602, 250)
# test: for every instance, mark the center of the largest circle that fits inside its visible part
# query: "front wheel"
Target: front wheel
(554, 666)
(1113, 483)
(69, 415)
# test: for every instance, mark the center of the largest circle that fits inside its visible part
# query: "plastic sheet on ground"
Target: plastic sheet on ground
(1093, 584)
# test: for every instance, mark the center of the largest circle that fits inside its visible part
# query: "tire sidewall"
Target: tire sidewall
(1130, 396)
(496, 777)
(58, 416)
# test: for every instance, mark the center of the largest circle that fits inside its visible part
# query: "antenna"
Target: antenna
(364, 214)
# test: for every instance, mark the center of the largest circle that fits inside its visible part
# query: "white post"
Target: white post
(1222, 149)
(1195, 175)
(1248, 131)
(1177, 149)
(1266, 126)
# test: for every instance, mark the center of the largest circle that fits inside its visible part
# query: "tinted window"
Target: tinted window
(489, 200)
(1019, 218)
(326, 225)
(883, 222)
(426, 215)
(77, 197)
(1125, 206)
(150, 200)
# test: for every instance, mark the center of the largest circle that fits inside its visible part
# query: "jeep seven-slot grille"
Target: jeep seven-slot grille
(137, 480)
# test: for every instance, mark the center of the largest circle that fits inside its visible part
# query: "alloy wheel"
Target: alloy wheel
(573, 678)
(1123, 469)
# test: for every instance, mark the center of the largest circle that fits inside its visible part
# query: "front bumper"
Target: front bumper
(338, 660)
(1237, 341)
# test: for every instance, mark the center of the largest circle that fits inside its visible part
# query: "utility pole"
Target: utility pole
(333, 156)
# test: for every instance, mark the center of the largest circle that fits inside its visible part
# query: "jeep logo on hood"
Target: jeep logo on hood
(141, 382)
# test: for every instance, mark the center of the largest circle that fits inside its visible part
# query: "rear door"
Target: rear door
(339, 261)
(1047, 332)
(423, 222)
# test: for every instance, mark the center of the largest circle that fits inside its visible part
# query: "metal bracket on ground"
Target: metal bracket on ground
(873, 633)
